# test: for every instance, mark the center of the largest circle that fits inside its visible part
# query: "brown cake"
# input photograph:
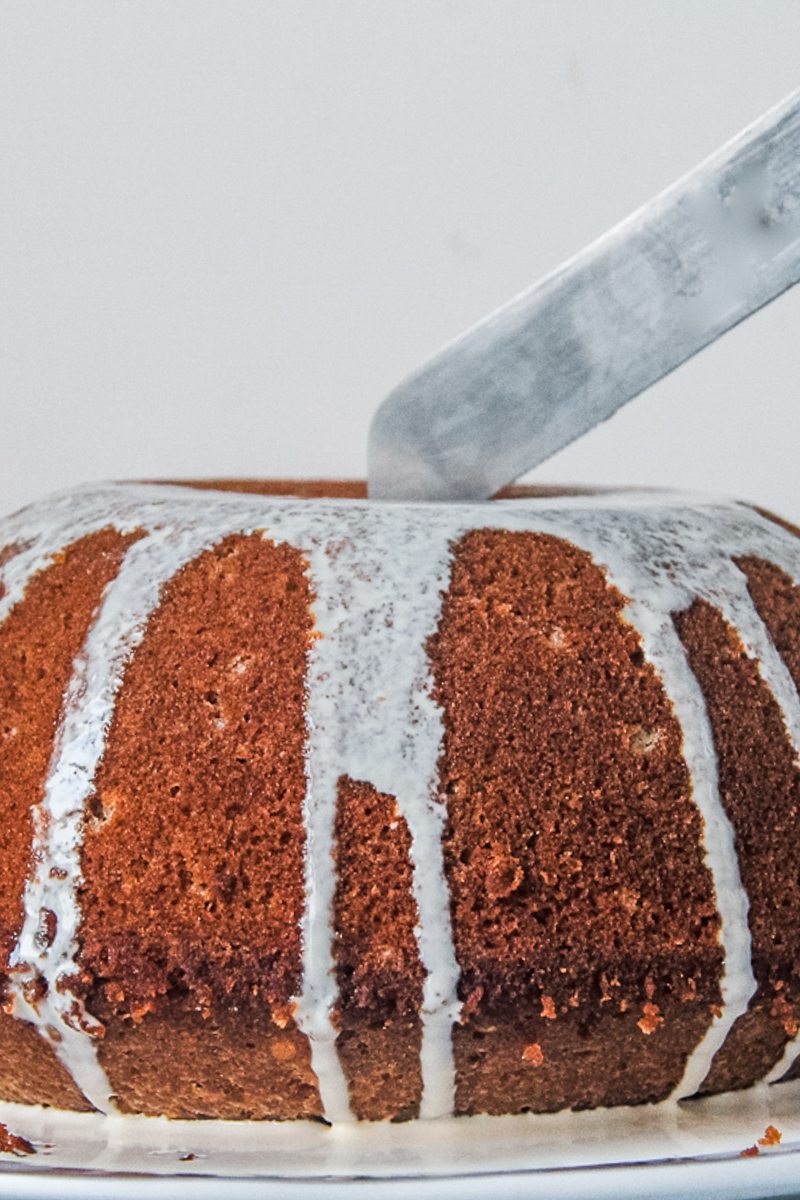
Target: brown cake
(382, 811)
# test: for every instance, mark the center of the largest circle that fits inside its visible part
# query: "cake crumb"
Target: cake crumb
(651, 1020)
(471, 1004)
(138, 1012)
(282, 1050)
(11, 1143)
(772, 1137)
(282, 1016)
(532, 1055)
(503, 876)
(548, 1008)
(782, 1009)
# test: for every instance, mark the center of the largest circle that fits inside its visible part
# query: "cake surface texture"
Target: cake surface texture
(360, 811)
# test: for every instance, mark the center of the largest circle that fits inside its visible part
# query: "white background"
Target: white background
(228, 228)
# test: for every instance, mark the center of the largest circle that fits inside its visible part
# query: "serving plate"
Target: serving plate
(692, 1148)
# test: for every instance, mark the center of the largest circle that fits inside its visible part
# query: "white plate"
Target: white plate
(681, 1150)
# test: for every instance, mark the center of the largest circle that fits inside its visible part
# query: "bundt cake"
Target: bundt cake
(312, 807)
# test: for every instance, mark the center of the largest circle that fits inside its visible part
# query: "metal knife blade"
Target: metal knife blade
(566, 354)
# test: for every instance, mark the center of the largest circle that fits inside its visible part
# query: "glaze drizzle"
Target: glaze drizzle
(378, 573)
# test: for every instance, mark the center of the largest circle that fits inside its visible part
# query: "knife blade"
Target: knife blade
(569, 352)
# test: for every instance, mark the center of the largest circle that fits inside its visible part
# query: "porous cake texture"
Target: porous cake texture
(317, 808)
(568, 797)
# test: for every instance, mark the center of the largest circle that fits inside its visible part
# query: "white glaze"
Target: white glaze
(370, 717)
(646, 578)
(58, 819)
(311, 1156)
(739, 611)
(791, 1053)
(378, 572)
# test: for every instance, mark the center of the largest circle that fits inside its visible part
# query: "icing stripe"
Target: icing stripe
(371, 717)
(79, 746)
(755, 637)
(738, 610)
(716, 578)
(738, 983)
(651, 617)
(787, 1060)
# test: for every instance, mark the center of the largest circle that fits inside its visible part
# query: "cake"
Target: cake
(348, 810)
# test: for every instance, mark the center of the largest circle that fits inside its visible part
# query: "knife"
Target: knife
(566, 354)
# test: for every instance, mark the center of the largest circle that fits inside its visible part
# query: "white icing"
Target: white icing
(646, 576)
(790, 1055)
(378, 572)
(313, 1157)
(58, 819)
(741, 613)
(665, 651)
(371, 717)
